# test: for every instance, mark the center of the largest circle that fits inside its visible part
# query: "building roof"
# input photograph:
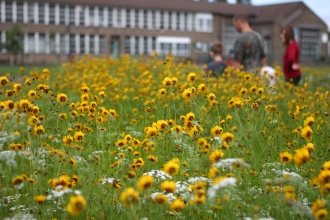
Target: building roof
(182, 5)
(258, 14)
(270, 13)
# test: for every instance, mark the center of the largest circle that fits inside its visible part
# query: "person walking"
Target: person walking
(291, 67)
(248, 49)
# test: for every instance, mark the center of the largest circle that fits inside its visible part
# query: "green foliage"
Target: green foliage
(13, 43)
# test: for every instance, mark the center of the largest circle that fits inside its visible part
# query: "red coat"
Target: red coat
(291, 55)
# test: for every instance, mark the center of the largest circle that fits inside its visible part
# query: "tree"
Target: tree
(13, 44)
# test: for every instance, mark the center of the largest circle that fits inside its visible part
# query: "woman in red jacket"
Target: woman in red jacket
(291, 67)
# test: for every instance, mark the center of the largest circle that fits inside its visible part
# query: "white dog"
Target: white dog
(268, 73)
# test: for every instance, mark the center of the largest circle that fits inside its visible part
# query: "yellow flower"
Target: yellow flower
(145, 182)
(18, 180)
(309, 121)
(171, 168)
(201, 88)
(151, 131)
(227, 137)
(32, 94)
(301, 156)
(67, 140)
(216, 131)
(174, 80)
(3, 80)
(306, 133)
(63, 116)
(17, 87)
(167, 81)
(152, 158)
(72, 161)
(129, 196)
(79, 136)
(40, 199)
(187, 94)
(211, 97)
(24, 104)
(168, 186)
(61, 98)
(39, 129)
(191, 77)
(76, 205)
(215, 156)
(162, 92)
(177, 205)
(160, 199)
(285, 157)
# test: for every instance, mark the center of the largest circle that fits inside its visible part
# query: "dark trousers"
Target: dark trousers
(294, 80)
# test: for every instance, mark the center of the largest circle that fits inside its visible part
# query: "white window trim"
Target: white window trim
(96, 17)
(46, 13)
(77, 42)
(189, 21)
(86, 11)
(97, 43)
(123, 18)
(87, 44)
(114, 17)
(14, 11)
(26, 43)
(36, 13)
(174, 18)
(157, 15)
(76, 16)
(3, 40)
(57, 43)
(66, 17)
(149, 19)
(36, 42)
(149, 39)
(141, 45)
(67, 43)
(166, 19)
(141, 18)
(3, 11)
(105, 15)
(181, 21)
(132, 18)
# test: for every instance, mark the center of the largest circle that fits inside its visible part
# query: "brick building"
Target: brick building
(53, 30)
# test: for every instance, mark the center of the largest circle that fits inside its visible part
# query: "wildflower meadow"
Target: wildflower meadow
(126, 138)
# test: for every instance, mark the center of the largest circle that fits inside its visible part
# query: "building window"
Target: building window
(42, 43)
(145, 18)
(153, 44)
(52, 45)
(62, 14)
(9, 11)
(161, 20)
(178, 46)
(202, 47)
(145, 45)
(101, 17)
(230, 36)
(71, 15)
(110, 23)
(137, 18)
(41, 11)
(209, 25)
(170, 20)
(136, 48)
(128, 18)
(81, 15)
(119, 18)
(82, 44)
(62, 44)
(267, 43)
(30, 12)
(102, 45)
(127, 45)
(178, 20)
(20, 12)
(185, 21)
(153, 19)
(310, 43)
(31, 43)
(72, 44)
(51, 14)
(92, 44)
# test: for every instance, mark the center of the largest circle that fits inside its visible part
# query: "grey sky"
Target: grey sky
(319, 7)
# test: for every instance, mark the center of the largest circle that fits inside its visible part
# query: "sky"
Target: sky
(319, 7)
